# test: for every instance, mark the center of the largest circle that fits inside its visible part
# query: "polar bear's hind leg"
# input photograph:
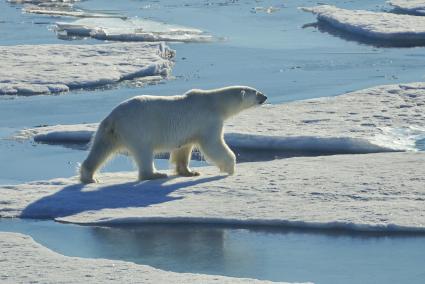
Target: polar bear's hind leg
(104, 145)
(181, 157)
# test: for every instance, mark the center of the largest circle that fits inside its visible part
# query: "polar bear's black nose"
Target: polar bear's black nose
(262, 98)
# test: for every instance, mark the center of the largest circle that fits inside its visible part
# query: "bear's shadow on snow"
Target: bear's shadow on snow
(76, 198)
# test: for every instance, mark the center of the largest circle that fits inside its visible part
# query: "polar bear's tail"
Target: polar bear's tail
(103, 146)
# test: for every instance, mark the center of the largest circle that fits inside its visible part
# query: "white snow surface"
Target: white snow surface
(58, 68)
(376, 25)
(379, 119)
(130, 30)
(25, 261)
(409, 6)
(373, 192)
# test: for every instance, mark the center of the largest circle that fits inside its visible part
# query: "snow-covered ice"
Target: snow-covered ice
(377, 25)
(67, 11)
(59, 68)
(373, 192)
(23, 260)
(130, 30)
(416, 7)
(378, 119)
(41, 2)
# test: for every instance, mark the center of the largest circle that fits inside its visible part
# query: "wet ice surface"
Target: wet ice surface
(265, 253)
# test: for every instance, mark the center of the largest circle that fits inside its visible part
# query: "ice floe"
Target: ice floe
(416, 7)
(67, 11)
(373, 192)
(404, 29)
(59, 68)
(379, 119)
(41, 2)
(130, 30)
(24, 260)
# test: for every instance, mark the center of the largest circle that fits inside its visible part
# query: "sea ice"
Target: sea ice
(416, 7)
(41, 2)
(378, 119)
(130, 30)
(66, 11)
(375, 25)
(46, 69)
(373, 192)
(24, 260)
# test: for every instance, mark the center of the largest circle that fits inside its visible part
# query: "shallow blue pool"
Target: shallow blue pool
(265, 253)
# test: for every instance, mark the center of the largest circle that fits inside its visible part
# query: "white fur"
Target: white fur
(146, 125)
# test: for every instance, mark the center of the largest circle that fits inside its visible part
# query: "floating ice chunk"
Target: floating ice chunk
(416, 7)
(268, 10)
(47, 266)
(130, 30)
(40, 2)
(67, 12)
(379, 26)
(354, 192)
(46, 69)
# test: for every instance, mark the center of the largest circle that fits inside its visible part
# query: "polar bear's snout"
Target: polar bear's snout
(261, 98)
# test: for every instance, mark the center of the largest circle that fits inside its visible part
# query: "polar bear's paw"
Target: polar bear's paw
(188, 173)
(152, 176)
(229, 169)
(86, 176)
(88, 180)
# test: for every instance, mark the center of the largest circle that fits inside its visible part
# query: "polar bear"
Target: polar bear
(145, 125)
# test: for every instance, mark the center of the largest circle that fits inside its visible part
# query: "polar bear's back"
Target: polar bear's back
(165, 122)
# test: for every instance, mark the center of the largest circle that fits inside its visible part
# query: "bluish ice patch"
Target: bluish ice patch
(420, 144)
(264, 253)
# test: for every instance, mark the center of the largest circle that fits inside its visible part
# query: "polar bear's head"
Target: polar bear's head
(251, 97)
(239, 98)
(234, 99)
(228, 101)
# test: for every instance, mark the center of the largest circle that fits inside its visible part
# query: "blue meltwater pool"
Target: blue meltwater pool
(294, 255)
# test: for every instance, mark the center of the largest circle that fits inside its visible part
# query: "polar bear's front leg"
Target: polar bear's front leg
(181, 157)
(216, 150)
(145, 162)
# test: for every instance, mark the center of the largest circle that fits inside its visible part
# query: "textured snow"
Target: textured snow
(130, 30)
(373, 192)
(409, 6)
(378, 119)
(25, 261)
(59, 68)
(376, 25)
